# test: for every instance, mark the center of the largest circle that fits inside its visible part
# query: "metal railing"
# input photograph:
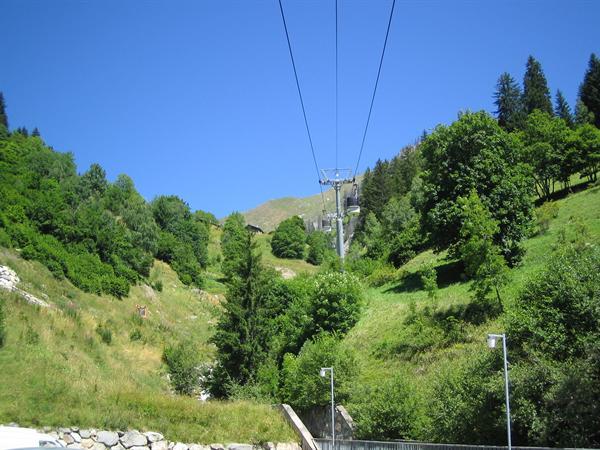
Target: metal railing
(325, 444)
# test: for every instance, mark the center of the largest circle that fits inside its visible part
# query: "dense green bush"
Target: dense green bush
(319, 247)
(544, 215)
(387, 411)
(182, 364)
(336, 302)
(2, 325)
(303, 387)
(289, 239)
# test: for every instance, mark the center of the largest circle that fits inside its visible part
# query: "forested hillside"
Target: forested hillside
(487, 224)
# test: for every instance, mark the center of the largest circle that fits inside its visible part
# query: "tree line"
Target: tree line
(102, 236)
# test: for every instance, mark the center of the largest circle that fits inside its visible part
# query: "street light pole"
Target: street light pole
(322, 373)
(492, 339)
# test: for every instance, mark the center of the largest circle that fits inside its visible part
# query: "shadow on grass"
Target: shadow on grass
(564, 192)
(448, 273)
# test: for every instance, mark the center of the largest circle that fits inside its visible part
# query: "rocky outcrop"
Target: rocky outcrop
(91, 439)
(9, 281)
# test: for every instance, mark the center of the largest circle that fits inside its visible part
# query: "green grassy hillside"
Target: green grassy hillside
(386, 350)
(268, 215)
(56, 370)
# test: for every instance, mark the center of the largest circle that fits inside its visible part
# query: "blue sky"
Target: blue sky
(197, 98)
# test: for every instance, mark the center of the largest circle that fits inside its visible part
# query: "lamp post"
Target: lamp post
(492, 339)
(323, 373)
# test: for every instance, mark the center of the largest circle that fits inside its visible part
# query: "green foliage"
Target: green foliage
(588, 158)
(474, 153)
(536, 94)
(387, 411)
(289, 239)
(2, 324)
(589, 91)
(428, 277)
(508, 101)
(244, 331)
(182, 364)
(336, 302)
(562, 110)
(544, 215)
(319, 247)
(3, 116)
(135, 335)
(381, 275)
(550, 151)
(105, 333)
(582, 114)
(233, 242)
(303, 387)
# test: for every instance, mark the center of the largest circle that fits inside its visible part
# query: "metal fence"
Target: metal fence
(325, 444)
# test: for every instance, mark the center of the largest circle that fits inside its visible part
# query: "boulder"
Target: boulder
(87, 443)
(159, 445)
(98, 446)
(239, 447)
(76, 436)
(107, 438)
(117, 447)
(133, 438)
(180, 446)
(217, 447)
(85, 434)
(269, 446)
(68, 439)
(153, 437)
(74, 445)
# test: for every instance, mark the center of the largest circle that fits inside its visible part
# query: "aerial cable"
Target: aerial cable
(362, 146)
(312, 148)
(336, 85)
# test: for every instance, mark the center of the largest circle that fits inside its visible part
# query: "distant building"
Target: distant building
(254, 229)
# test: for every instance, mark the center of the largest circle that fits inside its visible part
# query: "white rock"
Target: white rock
(117, 447)
(133, 438)
(196, 447)
(217, 447)
(76, 437)
(98, 446)
(108, 438)
(87, 443)
(239, 447)
(180, 446)
(141, 447)
(85, 434)
(269, 446)
(73, 445)
(159, 445)
(153, 437)
(68, 438)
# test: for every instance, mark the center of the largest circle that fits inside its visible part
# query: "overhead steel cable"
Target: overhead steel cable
(312, 147)
(336, 85)
(362, 145)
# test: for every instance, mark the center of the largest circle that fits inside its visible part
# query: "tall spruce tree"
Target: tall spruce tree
(582, 114)
(536, 94)
(509, 103)
(3, 116)
(563, 110)
(589, 91)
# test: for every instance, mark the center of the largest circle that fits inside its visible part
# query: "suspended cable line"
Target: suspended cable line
(362, 145)
(312, 147)
(336, 85)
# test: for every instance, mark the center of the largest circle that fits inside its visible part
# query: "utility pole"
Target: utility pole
(332, 177)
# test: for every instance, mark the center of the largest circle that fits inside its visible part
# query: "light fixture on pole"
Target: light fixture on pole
(323, 373)
(492, 340)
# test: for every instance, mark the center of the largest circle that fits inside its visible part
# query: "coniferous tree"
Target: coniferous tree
(589, 91)
(35, 132)
(509, 103)
(563, 110)
(3, 116)
(536, 94)
(583, 114)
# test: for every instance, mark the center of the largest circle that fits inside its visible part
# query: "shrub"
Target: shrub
(319, 247)
(2, 325)
(428, 276)
(336, 302)
(389, 411)
(303, 387)
(105, 333)
(544, 215)
(135, 335)
(289, 239)
(183, 366)
(383, 274)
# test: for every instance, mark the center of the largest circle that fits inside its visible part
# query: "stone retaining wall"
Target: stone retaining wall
(90, 439)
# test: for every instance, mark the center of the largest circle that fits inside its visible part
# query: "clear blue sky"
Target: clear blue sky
(197, 98)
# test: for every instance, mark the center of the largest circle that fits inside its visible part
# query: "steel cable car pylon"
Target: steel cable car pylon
(337, 178)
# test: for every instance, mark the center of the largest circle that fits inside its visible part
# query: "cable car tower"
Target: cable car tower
(337, 178)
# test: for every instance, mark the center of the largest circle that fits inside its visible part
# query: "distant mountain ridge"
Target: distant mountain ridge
(269, 214)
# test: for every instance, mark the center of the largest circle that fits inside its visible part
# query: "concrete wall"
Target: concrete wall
(318, 422)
